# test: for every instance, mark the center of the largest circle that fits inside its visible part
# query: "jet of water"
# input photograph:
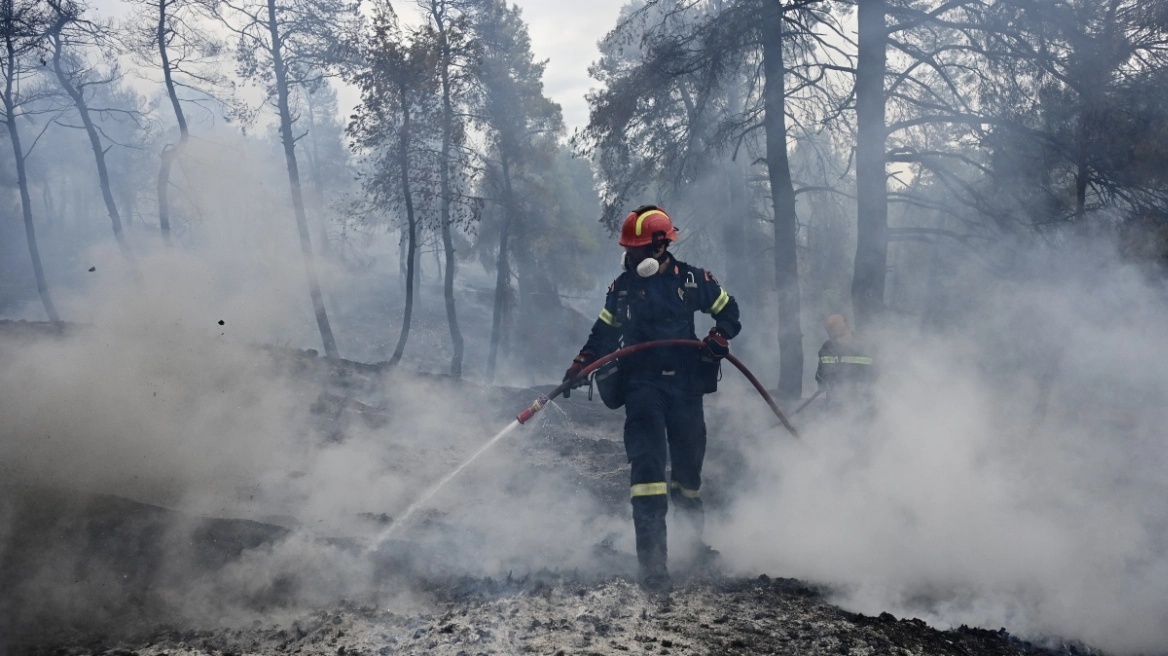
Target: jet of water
(415, 506)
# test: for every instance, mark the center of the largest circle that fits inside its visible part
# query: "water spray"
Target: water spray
(544, 400)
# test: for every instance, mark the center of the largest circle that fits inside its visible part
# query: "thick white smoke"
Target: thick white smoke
(1012, 474)
(153, 399)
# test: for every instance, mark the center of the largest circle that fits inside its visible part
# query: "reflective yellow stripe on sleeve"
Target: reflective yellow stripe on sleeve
(845, 359)
(649, 490)
(688, 494)
(720, 303)
(608, 318)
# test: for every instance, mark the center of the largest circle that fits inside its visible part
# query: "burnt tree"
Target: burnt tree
(67, 34)
(394, 123)
(284, 45)
(23, 24)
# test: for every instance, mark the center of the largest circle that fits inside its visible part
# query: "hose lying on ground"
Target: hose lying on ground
(628, 350)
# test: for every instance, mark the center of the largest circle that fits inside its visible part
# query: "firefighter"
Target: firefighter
(845, 370)
(656, 298)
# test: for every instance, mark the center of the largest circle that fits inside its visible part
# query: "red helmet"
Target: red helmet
(645, 226)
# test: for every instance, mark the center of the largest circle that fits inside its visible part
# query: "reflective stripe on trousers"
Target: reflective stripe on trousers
(648, 490)
(687, 493)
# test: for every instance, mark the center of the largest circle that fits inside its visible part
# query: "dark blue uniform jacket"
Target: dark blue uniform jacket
(661, 306)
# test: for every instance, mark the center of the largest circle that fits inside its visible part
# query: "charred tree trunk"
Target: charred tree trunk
(322, 322)
(871, 175)
(22, 176)
(169, 153)
(783, 199)
(503, 270)
(445, 218)
(1082, 171)
(411, 236)
(1083, 136)
(401, 258)
(317, 184)
(738, 273)
(419, 272)
(1080, 192)
(163, 190)
(107, 194)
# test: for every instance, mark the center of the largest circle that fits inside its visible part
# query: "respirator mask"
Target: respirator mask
(641, 260)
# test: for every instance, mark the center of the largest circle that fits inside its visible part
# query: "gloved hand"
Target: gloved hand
(582, 360)
(717, 344)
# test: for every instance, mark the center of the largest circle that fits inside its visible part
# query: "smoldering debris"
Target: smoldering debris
(555, 614)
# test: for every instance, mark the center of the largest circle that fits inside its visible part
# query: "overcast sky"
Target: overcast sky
(563, 32)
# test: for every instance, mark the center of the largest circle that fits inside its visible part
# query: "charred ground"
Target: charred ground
(562, 614)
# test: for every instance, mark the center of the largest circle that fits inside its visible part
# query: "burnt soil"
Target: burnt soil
(556, 615)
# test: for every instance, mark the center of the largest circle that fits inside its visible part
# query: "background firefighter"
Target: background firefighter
(846, 371)
(656, 298)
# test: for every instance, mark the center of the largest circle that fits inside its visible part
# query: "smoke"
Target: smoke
(160, 409)
(1010, 475)
(157, 403)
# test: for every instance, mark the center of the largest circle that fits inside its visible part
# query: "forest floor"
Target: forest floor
(139, 574)
(559, 616)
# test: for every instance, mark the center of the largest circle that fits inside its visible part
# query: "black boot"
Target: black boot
(690, 520)
(652, 551)
(707, 559)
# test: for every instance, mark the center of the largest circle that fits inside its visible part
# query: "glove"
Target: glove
(582, 360)
(717, 344)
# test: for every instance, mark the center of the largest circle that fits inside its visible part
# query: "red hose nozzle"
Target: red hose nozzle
(527, 414)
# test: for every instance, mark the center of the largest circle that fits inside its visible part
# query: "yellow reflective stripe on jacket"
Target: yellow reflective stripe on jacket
(720, 303)
(688, 494)
(608, 318)
(844, 359)
(641, 219)
(649, 489)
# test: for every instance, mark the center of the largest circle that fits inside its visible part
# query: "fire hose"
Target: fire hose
(543, 401)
